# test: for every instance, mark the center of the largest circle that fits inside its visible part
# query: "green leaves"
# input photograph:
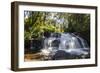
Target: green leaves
(36, 23)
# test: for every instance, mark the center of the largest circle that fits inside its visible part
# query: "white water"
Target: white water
(68, 42)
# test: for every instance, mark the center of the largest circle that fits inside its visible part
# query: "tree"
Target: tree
(36, 23)
(80, 23)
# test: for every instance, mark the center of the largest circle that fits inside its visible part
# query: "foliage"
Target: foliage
(36, 23)
(80, 23)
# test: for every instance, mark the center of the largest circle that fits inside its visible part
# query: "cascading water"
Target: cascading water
(65, 46)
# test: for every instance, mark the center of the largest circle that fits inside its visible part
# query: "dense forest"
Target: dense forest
(37, 23)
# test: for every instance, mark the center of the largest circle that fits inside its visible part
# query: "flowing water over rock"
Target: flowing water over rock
(65, 46)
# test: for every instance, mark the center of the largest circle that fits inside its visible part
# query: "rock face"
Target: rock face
(60, 55)
(55, 43)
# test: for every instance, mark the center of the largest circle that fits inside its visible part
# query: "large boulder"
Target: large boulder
(60, 55)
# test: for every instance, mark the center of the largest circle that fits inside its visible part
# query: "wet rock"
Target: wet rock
(60, 55)
(55, 43)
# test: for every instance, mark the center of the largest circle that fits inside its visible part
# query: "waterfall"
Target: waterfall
(69, 42)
